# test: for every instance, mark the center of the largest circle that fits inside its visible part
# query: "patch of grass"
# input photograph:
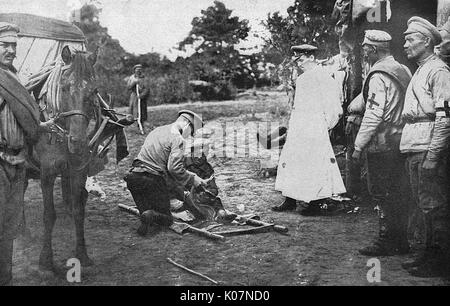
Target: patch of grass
(158, 116)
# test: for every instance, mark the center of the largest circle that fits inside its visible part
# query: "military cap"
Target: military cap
(137, 66)
(304, 48)
(377, 38)
(9, 32)
(192, 117)
(423, 26)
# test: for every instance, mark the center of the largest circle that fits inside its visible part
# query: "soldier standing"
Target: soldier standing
(19, 128)
(425, 141)
(381, 128)
(137, 84)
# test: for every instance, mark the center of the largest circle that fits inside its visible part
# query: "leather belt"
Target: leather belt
(417, 120)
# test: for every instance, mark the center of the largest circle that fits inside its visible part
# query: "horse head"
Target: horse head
(77, 95)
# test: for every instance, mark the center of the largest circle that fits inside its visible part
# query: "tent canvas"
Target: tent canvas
(41, 41)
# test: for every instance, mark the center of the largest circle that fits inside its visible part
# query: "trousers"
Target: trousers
(150, 192)
(12, 179)
(389, 187)
(429, 191)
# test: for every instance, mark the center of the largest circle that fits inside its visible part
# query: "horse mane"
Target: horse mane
(81, 67)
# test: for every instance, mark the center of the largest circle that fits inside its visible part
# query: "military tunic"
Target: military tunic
(379, 135)
(425, 137)
(382, 117)
(161, 158)
(12, 178)
(11, 134)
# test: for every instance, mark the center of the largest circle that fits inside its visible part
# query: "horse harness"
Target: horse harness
(102, 121)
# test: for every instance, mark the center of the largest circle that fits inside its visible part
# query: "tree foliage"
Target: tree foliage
(213, 37)
(216, 59)
(109, 66)
(215, 30)
(307, 21)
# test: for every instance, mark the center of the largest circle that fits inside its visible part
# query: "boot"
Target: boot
(287, 205)
(6, 254)
(313, 209)
(383, 248)
(418, 261)
(147, 218)
(401, 234)
(387, 244)
(152, 217)
(436, 265)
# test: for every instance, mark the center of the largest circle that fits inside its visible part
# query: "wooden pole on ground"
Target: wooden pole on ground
(192, 271)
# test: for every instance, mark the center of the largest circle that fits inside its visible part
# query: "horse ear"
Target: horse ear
(66, 55)
(93, 56)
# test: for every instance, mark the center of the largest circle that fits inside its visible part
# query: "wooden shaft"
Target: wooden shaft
(277, 228)
(253, 230)
(205, 233)
(129, 209)
(139, 110)
(192, 271)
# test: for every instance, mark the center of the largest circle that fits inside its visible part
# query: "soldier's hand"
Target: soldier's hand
(429, 167)
(199, 182)
(48, 126)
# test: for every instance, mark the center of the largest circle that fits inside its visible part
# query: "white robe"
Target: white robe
(308, 169)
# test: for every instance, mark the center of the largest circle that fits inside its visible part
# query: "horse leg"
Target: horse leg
(79, 199)
(46, 257)
(66, 194)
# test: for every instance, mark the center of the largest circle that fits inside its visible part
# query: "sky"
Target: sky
(144, 26)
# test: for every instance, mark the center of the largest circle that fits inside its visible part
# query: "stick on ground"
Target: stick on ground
(192, 271)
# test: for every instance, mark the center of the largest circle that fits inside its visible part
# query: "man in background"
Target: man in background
(137, 85)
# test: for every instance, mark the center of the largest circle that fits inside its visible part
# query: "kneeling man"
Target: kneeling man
(162, 156)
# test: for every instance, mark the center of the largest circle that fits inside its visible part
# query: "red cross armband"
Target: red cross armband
(372, 101)
(443, 109)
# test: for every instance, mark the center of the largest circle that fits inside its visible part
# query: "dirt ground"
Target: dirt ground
(317, 250)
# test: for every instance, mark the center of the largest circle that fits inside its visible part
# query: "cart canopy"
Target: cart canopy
(41, 41)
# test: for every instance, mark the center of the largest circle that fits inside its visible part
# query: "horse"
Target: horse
(66, 154)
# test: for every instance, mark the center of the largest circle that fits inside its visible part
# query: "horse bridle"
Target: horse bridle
(63, 116)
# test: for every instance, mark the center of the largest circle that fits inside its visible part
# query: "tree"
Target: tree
(213, 37)
(308, 22)
(215, 30)
(109, 66)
